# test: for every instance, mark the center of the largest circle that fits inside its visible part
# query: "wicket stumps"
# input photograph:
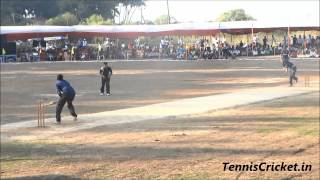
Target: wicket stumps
(41, 117)
(307, 81)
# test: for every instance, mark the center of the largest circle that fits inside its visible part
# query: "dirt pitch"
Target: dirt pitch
(194, 147)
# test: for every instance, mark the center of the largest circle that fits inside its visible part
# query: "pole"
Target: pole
(168, 12)
(304, 43)
(252, 36)
(247, 44)
(219, 40)
(142, 19)
(119, 14)
(289, 37)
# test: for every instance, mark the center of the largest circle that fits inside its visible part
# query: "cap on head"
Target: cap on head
(105, 63)
(59, 77)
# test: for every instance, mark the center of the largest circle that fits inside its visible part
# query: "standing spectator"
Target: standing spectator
(273, 41)
(300, 42)
(255, 40)
(3, 51)
(290, 41)
(106, 73)
(317, 46)
(241, 44)
(107, 50)
(66, 94)
(84, 42)
(99, 51)
(285, 57)
(73, 53)
(313, 42)
(273, 44)
(294, 41)
(180, 42)
(309, 41)
(265, 42)
(285, 40)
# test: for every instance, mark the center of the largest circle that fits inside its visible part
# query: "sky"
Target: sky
(206, 10)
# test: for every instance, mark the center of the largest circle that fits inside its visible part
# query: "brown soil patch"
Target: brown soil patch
(283, 130)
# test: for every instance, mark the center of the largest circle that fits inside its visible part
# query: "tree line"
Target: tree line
(87, 12)
(23, 12)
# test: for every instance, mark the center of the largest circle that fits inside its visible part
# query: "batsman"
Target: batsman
(66, 94)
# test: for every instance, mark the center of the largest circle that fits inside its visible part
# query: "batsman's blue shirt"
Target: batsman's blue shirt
(63, 87)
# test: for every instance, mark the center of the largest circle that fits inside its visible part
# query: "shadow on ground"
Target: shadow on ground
(45, 177)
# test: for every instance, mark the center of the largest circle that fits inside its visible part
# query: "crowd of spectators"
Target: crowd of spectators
(167, 48)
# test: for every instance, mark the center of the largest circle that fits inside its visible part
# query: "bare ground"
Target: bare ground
(282, 130)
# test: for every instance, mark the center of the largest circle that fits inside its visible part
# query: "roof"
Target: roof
(129, 31)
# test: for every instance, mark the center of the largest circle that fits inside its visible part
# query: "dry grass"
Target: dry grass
(283, 130)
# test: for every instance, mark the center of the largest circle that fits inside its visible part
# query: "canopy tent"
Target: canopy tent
(130, 31)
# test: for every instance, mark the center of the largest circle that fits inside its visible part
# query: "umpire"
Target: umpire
(106, 73)
(67, 94)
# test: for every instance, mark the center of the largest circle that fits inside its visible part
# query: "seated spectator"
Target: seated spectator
(313, 53)
(181, 53)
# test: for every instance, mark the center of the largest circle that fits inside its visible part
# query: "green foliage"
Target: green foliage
(12, 10)
(65, 19)
(132, 2)
(163, 19)
(96, 19)
(234, 15)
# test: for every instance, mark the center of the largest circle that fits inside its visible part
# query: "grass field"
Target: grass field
(282, 130)
(192, 147)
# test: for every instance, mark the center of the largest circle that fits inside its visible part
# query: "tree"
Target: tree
(66, 19)
(163, 19)
(96, 19)
(12, 10)
(126, 10)
(234, 15)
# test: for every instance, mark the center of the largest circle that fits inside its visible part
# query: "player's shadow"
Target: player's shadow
(145, 152)
(45, 177)
(221, 123)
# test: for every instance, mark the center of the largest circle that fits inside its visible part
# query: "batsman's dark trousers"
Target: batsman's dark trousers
(105, 82)
(65, 98)
(293, 76)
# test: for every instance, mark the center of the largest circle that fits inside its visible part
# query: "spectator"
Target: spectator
(99, 51)
(255, 40)
(265, 42)
(313, 42)
(300, 42)
(84, 42)
(73, 53)
(309, 41)
(285, 57)
(241, 44)
(294, 41)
